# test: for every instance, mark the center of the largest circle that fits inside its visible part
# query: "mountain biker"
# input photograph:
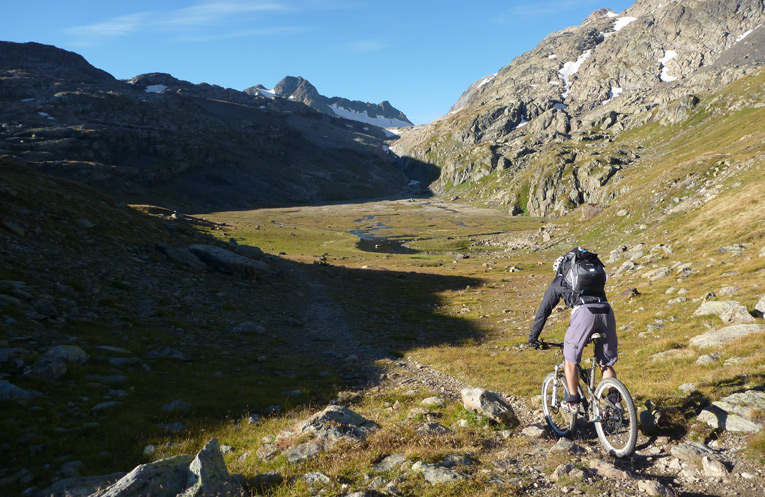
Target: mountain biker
(591, 313)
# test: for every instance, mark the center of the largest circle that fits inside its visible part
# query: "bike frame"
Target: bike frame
(586, 375)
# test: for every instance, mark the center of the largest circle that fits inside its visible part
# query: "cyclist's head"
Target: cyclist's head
(556, 264)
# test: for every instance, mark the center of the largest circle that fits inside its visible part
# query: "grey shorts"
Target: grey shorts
(587, 319)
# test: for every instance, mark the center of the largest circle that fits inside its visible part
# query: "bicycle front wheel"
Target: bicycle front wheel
(616, 420)
(560, 420)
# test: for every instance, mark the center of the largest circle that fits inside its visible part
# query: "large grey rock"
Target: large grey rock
(691, 451)
(48, 368)
(759, 307)
(434, 473)
(389, 462)
(717, 338)
(713, 468)
(432, 429)
(250, 252)
(164, 478)
(656, 489)
(9, 391)
(182, 256)
(488, 404)
(209, 476)
(228, 262)
(71, 354)
(729, 311)
(737, 412)
(80, 486)
(608, 470)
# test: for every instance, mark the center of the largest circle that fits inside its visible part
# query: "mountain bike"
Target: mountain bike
(612, 413)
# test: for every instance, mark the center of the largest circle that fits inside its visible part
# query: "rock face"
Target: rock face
(585, 84)
(300, 90)
(488, 404)
(159, 140)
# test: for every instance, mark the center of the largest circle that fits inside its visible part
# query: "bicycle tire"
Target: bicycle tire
(560, 421)
(617, 427)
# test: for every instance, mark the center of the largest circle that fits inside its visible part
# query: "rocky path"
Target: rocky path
(660, 466)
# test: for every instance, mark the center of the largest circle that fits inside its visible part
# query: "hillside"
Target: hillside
(160, 140)
(509, 139)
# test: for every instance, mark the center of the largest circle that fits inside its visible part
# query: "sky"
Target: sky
(420, 55)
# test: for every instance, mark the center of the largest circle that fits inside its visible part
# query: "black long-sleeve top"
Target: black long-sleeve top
(558, 289)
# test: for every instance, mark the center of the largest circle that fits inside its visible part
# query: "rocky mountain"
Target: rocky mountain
(157, 139)
(512, 137)
(301, 90)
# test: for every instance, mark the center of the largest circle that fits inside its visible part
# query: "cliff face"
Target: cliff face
(509, 138)
(157, 139)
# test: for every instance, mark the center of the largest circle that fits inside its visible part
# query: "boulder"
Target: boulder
(488, 404)
(434, 473)
(713, 468)
(656, 489)
(227, 262)
(607, 469)
(48, 368)
(71, 354)
(164, 478)
(432, 429)
(250, 252)
(433, 402)
(691, 452)
(736, 412)
(759, 307)
(729, 311)
(388, 463)
(182, 256)
(80, 485)
(718, 338)
(9, 391)
(209, 476)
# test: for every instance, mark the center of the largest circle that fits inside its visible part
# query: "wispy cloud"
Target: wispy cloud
(245, 33)
(190, 22)
(366, 46)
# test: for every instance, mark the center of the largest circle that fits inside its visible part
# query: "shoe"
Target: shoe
(572, 407)
(614, 396)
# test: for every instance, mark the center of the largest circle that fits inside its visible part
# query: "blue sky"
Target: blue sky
(418, 54)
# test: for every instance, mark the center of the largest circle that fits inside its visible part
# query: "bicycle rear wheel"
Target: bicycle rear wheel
(617, 423)
(561, 421)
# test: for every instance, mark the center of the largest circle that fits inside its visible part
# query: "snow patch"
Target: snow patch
(523, 122)
(155, 88)
(267, 93)
(553, 56)
(45, 114)
(621, 22)
(668, 55)
(611, 13)
(738, 39)
(391, 132)
(615, 92)
(485, 80)
(571, 68)
(366, 118)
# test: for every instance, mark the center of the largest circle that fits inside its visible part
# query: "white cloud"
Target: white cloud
(366, 46)
(118, 26)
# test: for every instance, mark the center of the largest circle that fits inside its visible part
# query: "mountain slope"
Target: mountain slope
(301, 90)
(586, 83)
(157, 139)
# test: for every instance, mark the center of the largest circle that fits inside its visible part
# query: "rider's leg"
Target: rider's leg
(608, 372)
(572, 379)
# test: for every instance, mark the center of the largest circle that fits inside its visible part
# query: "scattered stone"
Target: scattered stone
(736, 412)
(670, 354)
(182, 256)
(622, 213)
(533, 431)
(70, 354)
(608, 470)
(9, 391)
(167, 353)
(713, 468)
(175, 427)
(728, 291)
(718, 338)
(432, 429)
(48, 368)
(488, 404)
(149, 449)
(388, 463)
(292, 393)
(453, 460)
(227, 262)
(733, 361)
(729, 311)
(678, 300)
(315, 478)
(687, 387)
(656, 274)
(248, 327)
(735, 250)
(759, 307)
(433, 402)
(691, 451)
(209, 475)
(561, 471)
(422, 413)
(164, 477)
(566, 446)
(105, 405)
(250, 252)
(656, 489)
(649, 421)
(437, 474)
(177, 406)
(708, 359)
(80, 485)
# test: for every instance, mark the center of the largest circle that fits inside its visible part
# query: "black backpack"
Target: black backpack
(584, 272)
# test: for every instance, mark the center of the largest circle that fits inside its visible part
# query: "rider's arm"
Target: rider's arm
(552, 296)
